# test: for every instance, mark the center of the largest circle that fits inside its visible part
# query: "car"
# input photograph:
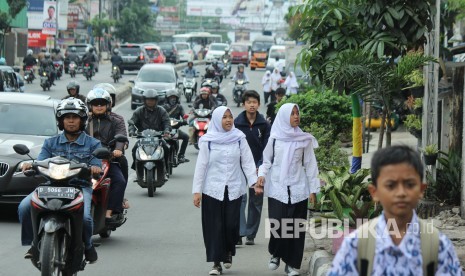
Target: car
(26, 119)
(215, 51)
(134, 57)
(239, 53)
(161, 77)
(8, 79)
(277, 58)
(81, 50)
(170, 51)
(155, 53)
(185, 52)
(20, 80)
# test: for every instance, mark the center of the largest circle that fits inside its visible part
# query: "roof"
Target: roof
(6, 68)
(28, 98)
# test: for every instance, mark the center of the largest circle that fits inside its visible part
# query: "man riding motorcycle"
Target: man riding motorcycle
(215, 92)
(73, 143)
(73, 91)
(190, 72)
(210, 72)
(149, 116)
(104, 127)
(226, 56)
(72, 56)
(203, 100)
(57, 56)
(89, 58)
(218, 69)
(116, 60)
(29, 60)
(46, 64)
(41, 54)
(176, 111)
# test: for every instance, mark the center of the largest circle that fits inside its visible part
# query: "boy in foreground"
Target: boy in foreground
(397, 246)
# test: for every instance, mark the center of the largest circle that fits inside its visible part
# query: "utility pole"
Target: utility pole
(56, 24)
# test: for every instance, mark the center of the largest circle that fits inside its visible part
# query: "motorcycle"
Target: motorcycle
(173, 141)
(45, 82)
(188, 85)
(238, 90)
(57, 213)
(87, 71)
(29, 74)
(115, 73)
(227, 67)
(150, 160)
(201, 122)
(72, 68)
(58, 68)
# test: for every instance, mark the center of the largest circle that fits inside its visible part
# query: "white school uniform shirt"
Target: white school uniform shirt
(291, 85)
(266, 82)
(219, 167)
(302, 180)
(275, 78)
(391, 259)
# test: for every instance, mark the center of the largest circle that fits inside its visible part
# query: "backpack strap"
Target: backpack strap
(429, 240)
(272, 158)
(366, 247)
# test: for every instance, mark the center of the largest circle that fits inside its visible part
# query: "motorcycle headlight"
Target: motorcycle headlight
(173, 122)
(143, 155)
(59, 172)
(45, 74)
(114, 68)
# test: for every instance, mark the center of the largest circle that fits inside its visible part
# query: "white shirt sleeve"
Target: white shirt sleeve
(267, 156)
(248, 163)
(200, 168)
(311, 170)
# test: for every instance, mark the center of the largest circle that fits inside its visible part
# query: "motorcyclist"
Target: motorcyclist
(116, 60)
(41, 55)
(210, 72)
(149, 116)
(73, 91)
(176, 111)
(226, 56)
(105, 127)
(89, 58)
(57, 56)
(47, 65)
(240, 74)
(73, 143)
(215, 92)
(190, 71)
(218, 69)
(29, 60)
(73, 56)
(204, 99)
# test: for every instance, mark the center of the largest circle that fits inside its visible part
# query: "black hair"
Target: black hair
(280, 91)
(395, 155)
(51, 7)
(250, 94)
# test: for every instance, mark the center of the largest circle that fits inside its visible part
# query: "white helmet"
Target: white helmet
(29, 52)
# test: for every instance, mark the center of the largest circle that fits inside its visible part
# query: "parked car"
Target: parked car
(239, 53)
(155, 53)
(170, 51)
(25, 119)
(8, 80)
(81, 50)
(134, 57)
(215, 51)
(185, 52)
(161, 77)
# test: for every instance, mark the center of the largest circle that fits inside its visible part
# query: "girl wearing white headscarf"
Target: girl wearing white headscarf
(224, 160)
(275, 79)
(289, 176)
(266, 82)
(291, 84)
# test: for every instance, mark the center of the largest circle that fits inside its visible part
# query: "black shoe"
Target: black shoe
(182, 159)
(166, 177)
(29, 254)
(239, 242)
(111, 221)
(249, 241)
(91, 255)
(228, 262)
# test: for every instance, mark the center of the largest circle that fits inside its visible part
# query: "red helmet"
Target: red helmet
(204, 90)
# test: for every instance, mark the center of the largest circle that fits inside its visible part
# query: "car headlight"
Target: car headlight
(137, 90)
(21, 164)
(59, 172)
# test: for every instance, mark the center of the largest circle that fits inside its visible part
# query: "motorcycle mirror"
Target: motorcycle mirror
(121, 138)
(102, 153)
(21, 149)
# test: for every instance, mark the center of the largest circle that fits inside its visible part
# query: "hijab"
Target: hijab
(266, 77)
(294, 137)
(216, 132)
(276, 75)
(291, 81)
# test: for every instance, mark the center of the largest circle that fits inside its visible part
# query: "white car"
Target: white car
(184, 51)
(216, 51)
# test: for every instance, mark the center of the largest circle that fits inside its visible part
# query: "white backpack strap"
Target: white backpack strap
(429, 240)
(366, 247)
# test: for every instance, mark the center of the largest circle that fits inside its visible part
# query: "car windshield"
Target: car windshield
(152, 52)
(279, 53)
(239, 48)
(182, 47)
(129, 51)
(27, 119)
(166, 46)
(156, 75)
(218, 47)
(261, 46)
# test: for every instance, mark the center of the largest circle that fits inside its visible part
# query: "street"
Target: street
(163, 234)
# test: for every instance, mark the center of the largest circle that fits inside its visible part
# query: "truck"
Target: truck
(260, 47)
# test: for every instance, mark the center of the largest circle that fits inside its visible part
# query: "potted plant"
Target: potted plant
(431, 154)
(414, 125)
(348, 195)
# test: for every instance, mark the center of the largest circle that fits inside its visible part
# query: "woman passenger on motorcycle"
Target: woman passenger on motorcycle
(73, 91)
(204, 99)
(224, 158)
(220, 98)
(104, 127)
(240, 74)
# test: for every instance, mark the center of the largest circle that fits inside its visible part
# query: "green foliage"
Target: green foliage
(346, 190)
(447, 186)
(136, 23)
(324, 107)
(100, 25)
(431, 149)
(413, 121)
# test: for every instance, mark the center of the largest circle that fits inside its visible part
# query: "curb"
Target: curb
(320, 263)
(123, 91)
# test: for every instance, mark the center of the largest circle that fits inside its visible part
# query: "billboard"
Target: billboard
(36, 39)
(235, 8)
(37, 12)
(49, 24)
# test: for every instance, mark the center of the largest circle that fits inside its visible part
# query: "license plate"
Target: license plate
(56, 192)
(202, 119)
(148, 141)
(43, 78)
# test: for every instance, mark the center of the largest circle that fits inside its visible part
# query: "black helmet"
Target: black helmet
(73, 84)
(215, 63)
(211, 69)
(214, 85)
(71, 105)
(150, 94)
(171, 93)
(57, 50)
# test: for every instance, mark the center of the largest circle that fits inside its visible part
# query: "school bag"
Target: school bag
(429, 241)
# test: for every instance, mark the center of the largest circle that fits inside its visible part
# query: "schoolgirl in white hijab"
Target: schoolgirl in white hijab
(275, 78)
(291, 84)
(224, 160)
(289, 176)
(266, 83)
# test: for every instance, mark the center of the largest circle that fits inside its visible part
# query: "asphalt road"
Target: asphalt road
(163, 234)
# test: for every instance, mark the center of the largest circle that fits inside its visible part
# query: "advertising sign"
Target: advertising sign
(36, 39)
(241, 8)
(49, 24)
(35, 5)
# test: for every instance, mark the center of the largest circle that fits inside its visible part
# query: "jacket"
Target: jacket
(73, 57)
(79, 96)
(256, 134)
(29, 60)
(175, 112)
(271, 111)
(209, 103)
(104, 128)
(220, 99)
(143, 118)
(116, 60)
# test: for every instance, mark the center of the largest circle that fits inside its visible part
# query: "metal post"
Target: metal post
(462, 198)
(56, 25)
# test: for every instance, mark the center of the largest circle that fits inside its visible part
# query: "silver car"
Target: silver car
(185, 52)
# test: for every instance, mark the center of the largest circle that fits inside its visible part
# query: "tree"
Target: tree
(136, 23)
(5, 18)
(293, 20)
(100, 26)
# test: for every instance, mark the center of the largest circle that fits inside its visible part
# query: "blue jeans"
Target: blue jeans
(249, 226)
(24, 214)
